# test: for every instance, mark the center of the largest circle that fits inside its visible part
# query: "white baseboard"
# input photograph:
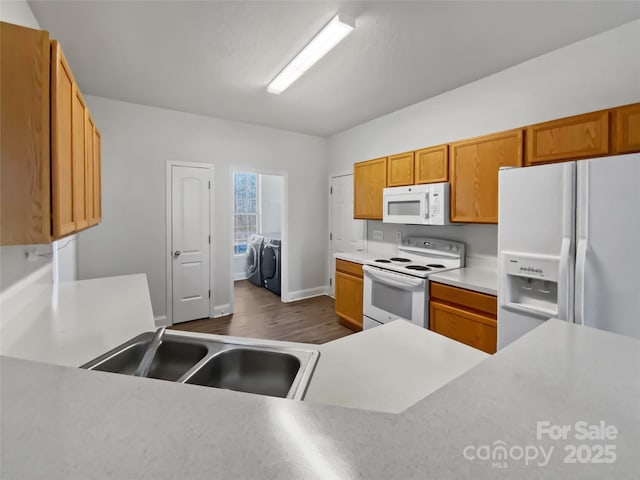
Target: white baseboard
(239, 276)
(307, 293)
(221, 310)
(161, 321)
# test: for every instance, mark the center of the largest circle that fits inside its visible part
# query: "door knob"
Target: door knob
(177, 253)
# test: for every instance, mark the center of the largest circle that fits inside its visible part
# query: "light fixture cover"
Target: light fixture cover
(331, 35)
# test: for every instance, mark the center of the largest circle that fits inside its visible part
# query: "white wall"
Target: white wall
(271, 193)
(18, 12)
(138, 140)
(596, 73)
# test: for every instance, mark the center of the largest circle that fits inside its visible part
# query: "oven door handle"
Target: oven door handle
(391, 279)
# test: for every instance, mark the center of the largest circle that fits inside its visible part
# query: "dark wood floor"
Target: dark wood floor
(260, 314)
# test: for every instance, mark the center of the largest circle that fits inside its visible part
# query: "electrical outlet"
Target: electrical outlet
(377, 235)
(399, 236)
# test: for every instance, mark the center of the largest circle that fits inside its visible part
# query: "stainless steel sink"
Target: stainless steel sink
(249, 370)
(240, 365)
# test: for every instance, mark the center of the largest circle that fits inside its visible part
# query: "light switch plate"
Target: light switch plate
(377, 235)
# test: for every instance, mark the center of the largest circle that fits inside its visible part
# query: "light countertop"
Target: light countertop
(356, 257)
(61, 423)
(479, 275)
(70, 323)
(388, 368)
(477, 278)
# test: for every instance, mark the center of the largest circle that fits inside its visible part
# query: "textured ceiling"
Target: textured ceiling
(216, 58)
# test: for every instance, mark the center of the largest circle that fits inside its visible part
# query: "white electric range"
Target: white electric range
(398, 287)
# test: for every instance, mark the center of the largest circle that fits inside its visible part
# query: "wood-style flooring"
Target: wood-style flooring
(260, 314)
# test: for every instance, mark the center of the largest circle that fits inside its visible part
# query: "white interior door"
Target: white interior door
(190, 237)
(346, 234)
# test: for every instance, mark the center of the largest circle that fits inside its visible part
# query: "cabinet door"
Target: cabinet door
(97, 177)
(89, 166)
(477, 331)
(62, 143)
(473, 172)
(432, 164)
(626, 129)
(25, 185)
(571, 138)
(369, 178)
(349, 300)
(78, 122)
(400, 170)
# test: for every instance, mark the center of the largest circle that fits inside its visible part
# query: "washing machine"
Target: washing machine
(255, 244)
(271, 265)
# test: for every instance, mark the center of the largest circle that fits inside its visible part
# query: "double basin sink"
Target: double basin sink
(245, 366)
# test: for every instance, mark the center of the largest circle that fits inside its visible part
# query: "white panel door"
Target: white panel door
(190, 234)
(608, 233)
(347, 234)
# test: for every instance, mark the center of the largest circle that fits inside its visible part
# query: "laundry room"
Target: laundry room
(257, 239)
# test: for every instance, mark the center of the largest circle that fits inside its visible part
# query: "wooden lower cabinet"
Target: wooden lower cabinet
(465, 316)
(349, 285)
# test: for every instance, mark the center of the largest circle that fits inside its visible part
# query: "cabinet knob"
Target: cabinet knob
(177, 253)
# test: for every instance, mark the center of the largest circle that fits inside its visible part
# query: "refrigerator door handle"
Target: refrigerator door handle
(582, 236)
(581, 259)
(564, 281)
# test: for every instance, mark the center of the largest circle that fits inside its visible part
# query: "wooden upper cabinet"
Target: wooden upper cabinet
(432, 164)
(626, 129)
(62, 191)
(571, 138)
(89, 166)
(473, 173)
(78, 126)
(97, 177)
(50, 163)
(25, 183)
(369, 180)
(400, 170)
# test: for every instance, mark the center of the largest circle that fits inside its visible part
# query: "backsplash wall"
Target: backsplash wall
(480, 240)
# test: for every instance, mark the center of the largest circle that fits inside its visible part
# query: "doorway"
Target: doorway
(189, 255)
(259, 247)
(345, 233)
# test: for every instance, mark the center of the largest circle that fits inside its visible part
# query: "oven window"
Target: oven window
(394, 300)
(409, 207)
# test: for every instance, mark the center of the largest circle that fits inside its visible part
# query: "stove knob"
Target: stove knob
(455, 249)
(448, 247)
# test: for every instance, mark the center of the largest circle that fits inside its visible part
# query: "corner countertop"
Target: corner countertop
(362, 370)
(70, 323)
(477, 278)
(356, 257)
(60, 422)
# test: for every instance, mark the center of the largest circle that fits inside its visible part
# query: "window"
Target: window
(245, 209)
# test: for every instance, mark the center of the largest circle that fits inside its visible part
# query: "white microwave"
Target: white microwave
(417, 204)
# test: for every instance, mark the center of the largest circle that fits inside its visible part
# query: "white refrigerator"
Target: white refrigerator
(569, 246)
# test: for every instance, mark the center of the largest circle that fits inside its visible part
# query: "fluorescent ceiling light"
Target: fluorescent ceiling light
(330, 36)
